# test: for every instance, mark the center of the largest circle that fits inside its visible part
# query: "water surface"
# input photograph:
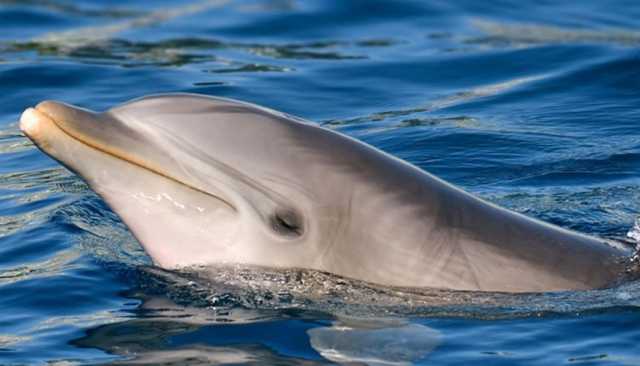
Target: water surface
(531, 105)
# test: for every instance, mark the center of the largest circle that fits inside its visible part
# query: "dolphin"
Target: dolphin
(201, 180)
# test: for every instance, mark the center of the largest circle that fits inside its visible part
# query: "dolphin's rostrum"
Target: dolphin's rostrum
(202, 180)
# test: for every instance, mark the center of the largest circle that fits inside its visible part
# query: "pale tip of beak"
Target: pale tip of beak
(29, 121)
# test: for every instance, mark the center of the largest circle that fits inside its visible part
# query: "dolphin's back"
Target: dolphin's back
(410, 228)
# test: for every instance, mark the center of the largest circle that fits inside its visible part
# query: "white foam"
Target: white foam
(634, 233)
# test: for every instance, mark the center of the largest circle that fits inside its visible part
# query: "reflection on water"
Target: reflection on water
(374, 342)
(502, 34)
(162, 332)
(74, 9)
(52, 266)
(159, 331)
(187, 51)
(168, 334)
(440, 103)
(76, 38)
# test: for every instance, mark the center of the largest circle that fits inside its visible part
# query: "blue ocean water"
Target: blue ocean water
(533, 105)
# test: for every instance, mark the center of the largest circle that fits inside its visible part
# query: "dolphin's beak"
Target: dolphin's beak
(51, 120)
(59, 111)
(33, 122)
(54, 126)
(78, 123)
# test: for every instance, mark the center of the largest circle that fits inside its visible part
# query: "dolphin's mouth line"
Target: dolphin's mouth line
(83, 140)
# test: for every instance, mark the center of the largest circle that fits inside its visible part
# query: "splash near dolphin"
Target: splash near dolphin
(202, 180)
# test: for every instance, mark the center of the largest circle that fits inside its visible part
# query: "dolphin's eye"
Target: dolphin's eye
(287, 222)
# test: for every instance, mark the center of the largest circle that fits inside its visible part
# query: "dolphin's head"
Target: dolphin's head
(202, 180)
(197, 179)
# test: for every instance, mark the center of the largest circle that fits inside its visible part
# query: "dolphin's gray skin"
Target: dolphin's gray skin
(202, 180)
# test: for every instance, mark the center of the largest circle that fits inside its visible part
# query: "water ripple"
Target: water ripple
(61, 262)
(519, 34)
(444, 102)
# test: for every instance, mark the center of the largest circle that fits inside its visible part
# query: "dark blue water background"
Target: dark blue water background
(534, 105)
